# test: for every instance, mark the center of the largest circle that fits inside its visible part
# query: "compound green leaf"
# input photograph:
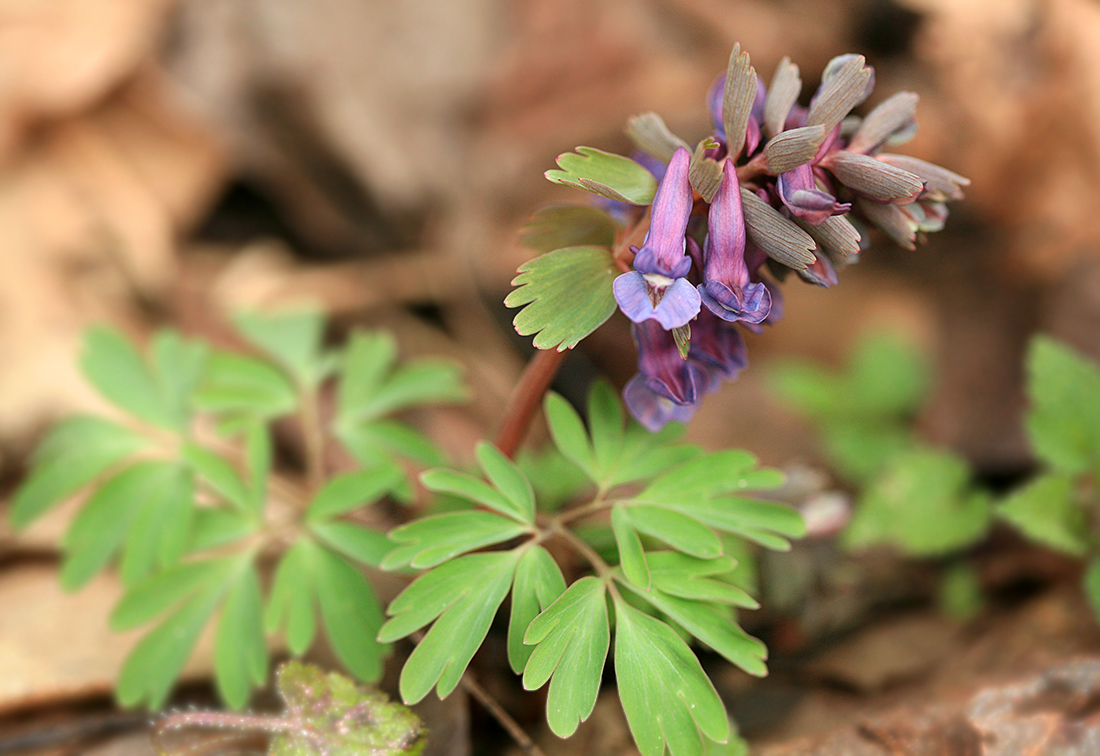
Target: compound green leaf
(667, 698)
(560, 226)
(293, 339)
(507, 478)
(464, 594)
(571, 639)
(354, 490)
(567, 294)
(351, 614)
(1064, 419)
(765, 522)
(688, 577)
(291, 601)
(122, 377)
(570, 437)
(234, 383)
(706, 475)
(436, 539)
(157, 660)
(538, 582)
(240, 651)
(606, 174)
(1046, 510)
(74, 452)
(644, 455)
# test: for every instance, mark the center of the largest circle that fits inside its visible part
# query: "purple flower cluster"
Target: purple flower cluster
(794, 195)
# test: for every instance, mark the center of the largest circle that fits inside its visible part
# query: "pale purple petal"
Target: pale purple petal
(632, 295)
(652, 410)
(677, 304)
(750, 303)
(800, 194)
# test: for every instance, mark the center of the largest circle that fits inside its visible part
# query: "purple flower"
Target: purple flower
(727, 289)
(656, 289)
(718, 346)
(652, 410)
(797, 190)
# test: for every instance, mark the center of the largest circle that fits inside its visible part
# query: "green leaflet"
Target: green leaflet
(679, 531)
(74, 453)
(538, 582)
(433, 540)
(152, 597)
(606, 174)
(569, 435)
(687, 577)
(462, 597)
(356, 542)
(1091, 583)
(632, 556)
(667, 698)
(560, 226)
(508, 492)
(219, 475)
(1047, 510)
(565, 294)
(571, 639)
(122, 376)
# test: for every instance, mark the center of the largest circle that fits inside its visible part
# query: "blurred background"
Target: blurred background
(166, 162)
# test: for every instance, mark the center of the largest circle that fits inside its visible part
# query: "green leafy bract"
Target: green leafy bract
(668, 700)
(560, 226)
(571, 639)
(606, 174)
(923, 503)
(565, 294)
(462, 597)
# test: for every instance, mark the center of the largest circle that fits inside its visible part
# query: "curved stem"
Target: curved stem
(525, 399)
(313, 435)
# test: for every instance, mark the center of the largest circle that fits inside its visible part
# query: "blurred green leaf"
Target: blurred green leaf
(668, 700)
(74, 452)
(101, 526)
(606, 174)
(538, 582)
(1091, 583)
(462, 597)
(960, 592)
(356, 542)
(1064, 418)
(565, 294)
(350, 491)
(211, 528)
(152, 597)
(571, 639)
(1047, 510)
(351, 614)
(236, 384)
(157, 660)
(122, 377)
(240, 650)
(292, 339)
(222, 478)
(923, 504)
(570, 437)
(555, 480)
(291, 600)
(178, 365)
(161, 528)
(560, 226)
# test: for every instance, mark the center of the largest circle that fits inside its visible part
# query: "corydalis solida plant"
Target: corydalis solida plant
(777, 187)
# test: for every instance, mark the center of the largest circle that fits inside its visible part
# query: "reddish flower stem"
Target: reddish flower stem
(526, 398)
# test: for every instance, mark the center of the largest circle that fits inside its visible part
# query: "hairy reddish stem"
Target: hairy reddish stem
(525, 399)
